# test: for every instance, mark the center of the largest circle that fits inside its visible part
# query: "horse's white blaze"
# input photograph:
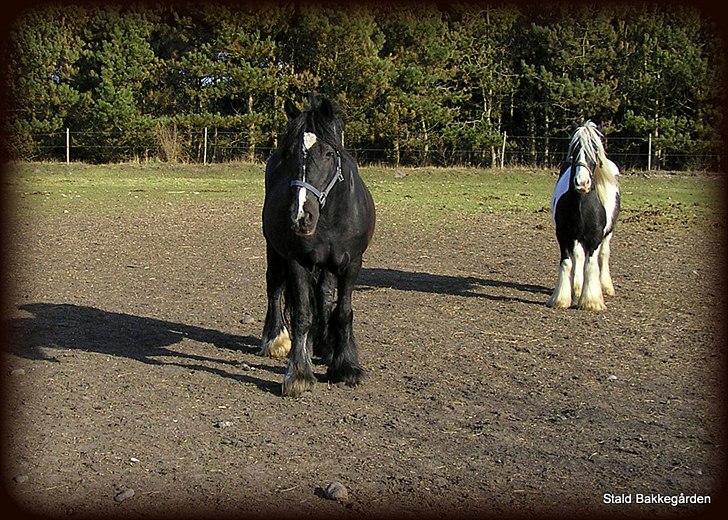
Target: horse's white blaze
(591, 297)
(582, 176)
(577, 279)
(301, 201)
(309, 139)
(561, 297)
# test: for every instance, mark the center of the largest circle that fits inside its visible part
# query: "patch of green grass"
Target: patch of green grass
(416, 193)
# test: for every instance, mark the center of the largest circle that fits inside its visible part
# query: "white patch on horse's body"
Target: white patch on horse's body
(562, 186)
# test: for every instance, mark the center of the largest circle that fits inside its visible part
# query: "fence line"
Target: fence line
(190, 144)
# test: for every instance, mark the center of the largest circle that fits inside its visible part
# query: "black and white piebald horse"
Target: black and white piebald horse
(584, 206)
(318, 218)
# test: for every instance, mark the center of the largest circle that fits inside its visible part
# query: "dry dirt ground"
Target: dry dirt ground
(133, 366)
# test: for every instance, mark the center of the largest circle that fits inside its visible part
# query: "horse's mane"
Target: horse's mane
(589, 138)
(312, 120)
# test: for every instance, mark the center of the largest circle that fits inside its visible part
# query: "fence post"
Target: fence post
(68, 146)
(503, 150)
(649, 152)
(204, 153)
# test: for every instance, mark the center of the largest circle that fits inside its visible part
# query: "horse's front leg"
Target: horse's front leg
(561, 296)
(299, 374)
(275, 341)
(591, 297)
(345, 362)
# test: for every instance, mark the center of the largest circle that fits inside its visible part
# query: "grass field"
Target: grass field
(422, 193)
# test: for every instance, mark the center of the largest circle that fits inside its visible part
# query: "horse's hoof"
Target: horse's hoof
(558, 304)
(277, 348)
(295, 386)
(592, 305)
(609, 291)
(351, 375)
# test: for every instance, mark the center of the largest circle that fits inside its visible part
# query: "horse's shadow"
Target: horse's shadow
(148, 340)
(444, 284)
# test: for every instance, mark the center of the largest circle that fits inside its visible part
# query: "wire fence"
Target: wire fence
(191, 145)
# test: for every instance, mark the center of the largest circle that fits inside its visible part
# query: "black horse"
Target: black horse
(585, 205)
(318, 218)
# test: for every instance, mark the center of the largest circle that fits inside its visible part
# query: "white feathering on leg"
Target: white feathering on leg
(591, 297)
(577, 278)
(561, 297)
(604, 276)
(278, 347)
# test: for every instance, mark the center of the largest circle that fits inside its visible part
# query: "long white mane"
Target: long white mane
(589, 138)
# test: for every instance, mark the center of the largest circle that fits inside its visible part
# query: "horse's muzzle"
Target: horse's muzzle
(584, 188)
(303, 228)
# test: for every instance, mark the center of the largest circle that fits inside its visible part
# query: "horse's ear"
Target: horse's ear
(328, 108)
(292, 111)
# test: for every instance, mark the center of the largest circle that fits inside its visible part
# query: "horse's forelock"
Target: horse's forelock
(588, 138)
(311, 120)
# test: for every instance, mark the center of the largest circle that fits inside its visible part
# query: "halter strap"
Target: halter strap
(320, 195)
(585, 165)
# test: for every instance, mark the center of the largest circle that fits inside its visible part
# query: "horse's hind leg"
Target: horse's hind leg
(561, 297)
(275, 341)
(345, 362)
(299, 375)
(322, 334)
(604, 276)
(591, 297)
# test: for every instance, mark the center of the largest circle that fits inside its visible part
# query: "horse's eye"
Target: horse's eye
(329, 154)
